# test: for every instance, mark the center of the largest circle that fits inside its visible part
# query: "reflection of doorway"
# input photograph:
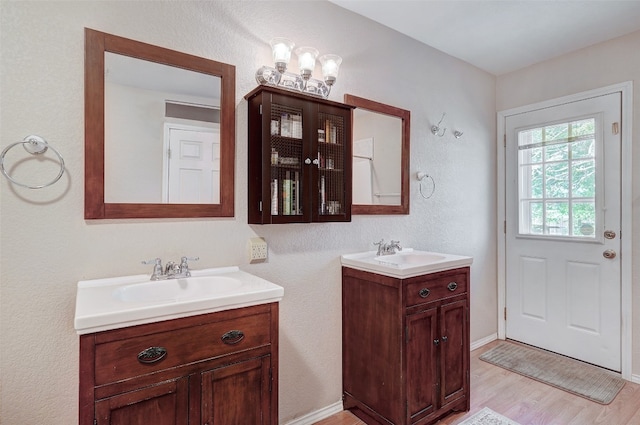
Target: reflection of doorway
(558, 288)
(191, 165)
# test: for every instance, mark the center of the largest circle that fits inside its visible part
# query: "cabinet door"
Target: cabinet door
(332, 176)
(162, 404)
(454, 351)
(422, 372)
(238, 394)
(289, 159)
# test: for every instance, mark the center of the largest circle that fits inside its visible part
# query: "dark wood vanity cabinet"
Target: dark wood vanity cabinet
(217, 368)
(299, 158)
(405, 346)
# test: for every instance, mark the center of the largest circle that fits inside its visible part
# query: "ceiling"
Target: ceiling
(505, 35)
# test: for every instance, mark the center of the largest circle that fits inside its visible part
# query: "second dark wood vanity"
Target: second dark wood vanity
(405, 346)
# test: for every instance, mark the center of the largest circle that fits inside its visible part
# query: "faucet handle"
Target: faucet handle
(184, 265)
(157, 267)
(379, 243)
(155, 261)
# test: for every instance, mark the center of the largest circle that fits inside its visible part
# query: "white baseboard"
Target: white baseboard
(484, 341)
(318, 415)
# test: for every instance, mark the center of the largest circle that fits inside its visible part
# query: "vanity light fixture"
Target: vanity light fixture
(303, 82)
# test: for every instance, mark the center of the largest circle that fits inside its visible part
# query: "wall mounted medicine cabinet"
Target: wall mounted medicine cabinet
(299, 158)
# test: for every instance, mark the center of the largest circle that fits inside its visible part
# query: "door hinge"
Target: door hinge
(615, 128)
(505, 313)
(406, 334)
(95, 421)
(260, 109)
(270, 379)
(504, 140)
(505, 227)
(169, 153)
(260, 206)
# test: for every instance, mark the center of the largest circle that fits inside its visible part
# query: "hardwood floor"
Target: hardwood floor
(530, 402)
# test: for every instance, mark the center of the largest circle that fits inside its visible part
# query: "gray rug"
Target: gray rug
(488, 417)
(576, 377)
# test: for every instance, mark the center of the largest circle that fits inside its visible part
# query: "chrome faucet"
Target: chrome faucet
(172, 270)
(387, 248)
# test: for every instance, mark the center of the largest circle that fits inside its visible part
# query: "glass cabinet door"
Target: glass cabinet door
(287, 161)
(331, 165)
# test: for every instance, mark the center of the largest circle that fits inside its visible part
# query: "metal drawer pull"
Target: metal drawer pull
(152, 355)
(424, 292)
(452, 286)
(436, 341)
(445, 339)
(232, 337)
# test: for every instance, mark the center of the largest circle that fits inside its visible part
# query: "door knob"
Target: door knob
(609, 234)
(609, 254)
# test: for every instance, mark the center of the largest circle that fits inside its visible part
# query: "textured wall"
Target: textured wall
(47, 246)
(604, 64)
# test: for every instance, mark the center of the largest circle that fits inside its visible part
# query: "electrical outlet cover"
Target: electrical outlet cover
(258, 250)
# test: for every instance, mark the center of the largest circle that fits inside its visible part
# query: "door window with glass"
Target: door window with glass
(557, 179)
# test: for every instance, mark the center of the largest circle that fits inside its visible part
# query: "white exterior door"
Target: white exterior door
(563, 185)
(192, 171)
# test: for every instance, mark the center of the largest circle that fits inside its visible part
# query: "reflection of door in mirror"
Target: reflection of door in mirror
(192, 166)
(380, 157)
(142, 98)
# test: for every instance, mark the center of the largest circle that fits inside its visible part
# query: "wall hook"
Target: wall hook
(435, 129)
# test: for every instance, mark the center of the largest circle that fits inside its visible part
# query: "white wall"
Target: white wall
(47, 246)
(604, 64)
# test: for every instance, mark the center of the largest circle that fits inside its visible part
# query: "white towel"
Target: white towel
(362, 193)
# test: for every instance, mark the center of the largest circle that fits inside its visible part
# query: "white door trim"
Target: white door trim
(626, 89)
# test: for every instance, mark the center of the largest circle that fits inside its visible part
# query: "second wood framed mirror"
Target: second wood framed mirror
(381, 148)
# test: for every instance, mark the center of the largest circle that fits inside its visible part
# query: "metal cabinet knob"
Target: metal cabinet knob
(307, 161)
(424, 292)
(452, 286)
(609, 254)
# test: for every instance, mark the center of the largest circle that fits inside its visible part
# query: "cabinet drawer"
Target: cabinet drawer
(432, 289)
(127, 358)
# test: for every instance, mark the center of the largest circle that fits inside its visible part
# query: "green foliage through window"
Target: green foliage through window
(557, 174)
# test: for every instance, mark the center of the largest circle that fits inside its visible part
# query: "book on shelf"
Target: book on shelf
(286, 194)
(274, 197)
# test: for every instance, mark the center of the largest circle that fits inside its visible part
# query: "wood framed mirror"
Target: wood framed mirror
(128, 167)
(381, 147)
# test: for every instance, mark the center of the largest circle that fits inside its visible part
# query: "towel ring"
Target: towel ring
(35, 145)
(421, 176)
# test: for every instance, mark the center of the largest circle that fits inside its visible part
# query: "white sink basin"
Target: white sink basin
(176, 289)
(405, 263)
(103, 304)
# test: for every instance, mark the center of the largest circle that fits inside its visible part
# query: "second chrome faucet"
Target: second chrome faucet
(387, 248)
(172, 270)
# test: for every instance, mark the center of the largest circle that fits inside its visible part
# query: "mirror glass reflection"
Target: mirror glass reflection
(162, 133)
(377, 151)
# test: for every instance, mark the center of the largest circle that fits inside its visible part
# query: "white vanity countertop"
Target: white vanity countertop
(406, 263)
(111, 303)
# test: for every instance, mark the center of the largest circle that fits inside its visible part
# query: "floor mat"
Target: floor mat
(488, 417)
(576, 377)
